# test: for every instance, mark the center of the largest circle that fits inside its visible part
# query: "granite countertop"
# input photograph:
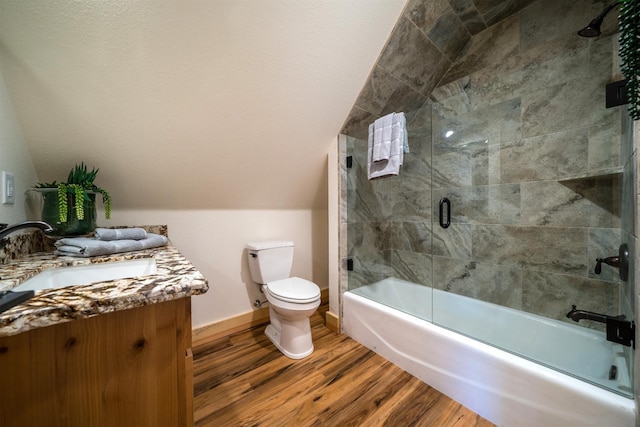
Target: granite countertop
(175, 278)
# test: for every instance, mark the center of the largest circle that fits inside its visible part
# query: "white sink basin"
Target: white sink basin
(83, 274)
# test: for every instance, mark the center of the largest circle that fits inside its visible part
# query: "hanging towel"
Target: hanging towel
(387, 143)
(400, 130)
(88, 247)
(134, 233)
(398, 135)
(382, 138)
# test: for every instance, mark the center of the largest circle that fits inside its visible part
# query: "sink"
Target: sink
(83, 274)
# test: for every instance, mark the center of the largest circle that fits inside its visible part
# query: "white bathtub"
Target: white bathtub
(502, 387)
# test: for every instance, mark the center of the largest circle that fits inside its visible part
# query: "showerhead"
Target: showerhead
(593, 29)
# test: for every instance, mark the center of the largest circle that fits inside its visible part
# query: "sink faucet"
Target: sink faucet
(5, 229)
(577, 315)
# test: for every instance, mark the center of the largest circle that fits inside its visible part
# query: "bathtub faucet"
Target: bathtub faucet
(617, 329)
(577, 315)
(5, 229)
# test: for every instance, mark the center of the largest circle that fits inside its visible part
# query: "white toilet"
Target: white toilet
(292, 300)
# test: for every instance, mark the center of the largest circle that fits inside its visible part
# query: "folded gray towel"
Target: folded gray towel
(135, 233)
(87, 247)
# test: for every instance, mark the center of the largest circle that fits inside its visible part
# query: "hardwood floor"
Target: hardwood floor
(243, 380)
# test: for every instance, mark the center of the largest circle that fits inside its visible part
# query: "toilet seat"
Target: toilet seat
(294, 290)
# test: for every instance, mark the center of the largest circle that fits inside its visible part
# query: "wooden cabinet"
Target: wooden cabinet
(127, 368)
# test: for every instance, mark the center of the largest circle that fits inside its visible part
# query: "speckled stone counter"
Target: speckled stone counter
(175, 278)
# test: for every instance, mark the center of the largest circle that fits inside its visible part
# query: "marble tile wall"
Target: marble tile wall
(388, 220)
(526, 106)
(424, 44)
(531, 168)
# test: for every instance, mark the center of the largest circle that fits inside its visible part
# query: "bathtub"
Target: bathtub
(502, 387)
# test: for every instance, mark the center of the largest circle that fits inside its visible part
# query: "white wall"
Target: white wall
(213, 117)
(214, 241)
(14, 158)
(172, 97)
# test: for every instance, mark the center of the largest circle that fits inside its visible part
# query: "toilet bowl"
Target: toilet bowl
(292, 300)
(289, 328)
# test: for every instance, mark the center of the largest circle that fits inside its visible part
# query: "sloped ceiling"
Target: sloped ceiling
(226, 104)
(428, 38)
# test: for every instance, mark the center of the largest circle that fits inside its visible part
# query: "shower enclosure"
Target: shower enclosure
(518, 177)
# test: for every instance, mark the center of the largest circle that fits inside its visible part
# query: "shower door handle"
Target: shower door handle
(444, 201)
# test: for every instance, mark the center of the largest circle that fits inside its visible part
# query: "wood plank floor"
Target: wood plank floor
(243, 380)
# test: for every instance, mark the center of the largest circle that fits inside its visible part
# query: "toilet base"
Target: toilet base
(299, 347)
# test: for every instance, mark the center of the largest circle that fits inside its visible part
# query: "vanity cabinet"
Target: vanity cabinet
(127, 368)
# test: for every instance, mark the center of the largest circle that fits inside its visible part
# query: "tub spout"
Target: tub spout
(5, 229)
(577, 315)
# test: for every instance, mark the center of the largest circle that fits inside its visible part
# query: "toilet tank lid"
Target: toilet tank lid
(259, 246)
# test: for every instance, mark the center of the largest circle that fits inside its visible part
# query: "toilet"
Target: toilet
(292, 300)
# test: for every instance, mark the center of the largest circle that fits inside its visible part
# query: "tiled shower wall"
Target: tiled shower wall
(532, 172)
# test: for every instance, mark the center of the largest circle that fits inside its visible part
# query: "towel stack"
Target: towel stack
(134, 233)
(109, 241)
(388, 141)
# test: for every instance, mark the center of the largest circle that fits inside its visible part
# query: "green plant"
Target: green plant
(79, 184)
(629, 50)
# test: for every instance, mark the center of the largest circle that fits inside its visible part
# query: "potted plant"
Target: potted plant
(629, 50)
(69, 207)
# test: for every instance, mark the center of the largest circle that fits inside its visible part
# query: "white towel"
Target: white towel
(388, 141)
(400, 131)
(382, 138)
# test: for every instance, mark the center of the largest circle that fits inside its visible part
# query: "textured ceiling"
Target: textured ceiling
(228, 104)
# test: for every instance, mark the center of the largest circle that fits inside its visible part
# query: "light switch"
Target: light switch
(8, 188)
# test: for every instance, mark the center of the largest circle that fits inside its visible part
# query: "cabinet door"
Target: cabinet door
(118, 369)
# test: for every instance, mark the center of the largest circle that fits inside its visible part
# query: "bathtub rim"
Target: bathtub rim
(510, 408)
(395, 283)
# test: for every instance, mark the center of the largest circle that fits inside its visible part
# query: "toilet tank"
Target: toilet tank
(270, 261)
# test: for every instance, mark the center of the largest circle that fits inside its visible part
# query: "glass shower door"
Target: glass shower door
(530, 170)
(518, 179)
(389, 224)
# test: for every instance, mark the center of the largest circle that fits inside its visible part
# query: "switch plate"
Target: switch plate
(8, 188)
